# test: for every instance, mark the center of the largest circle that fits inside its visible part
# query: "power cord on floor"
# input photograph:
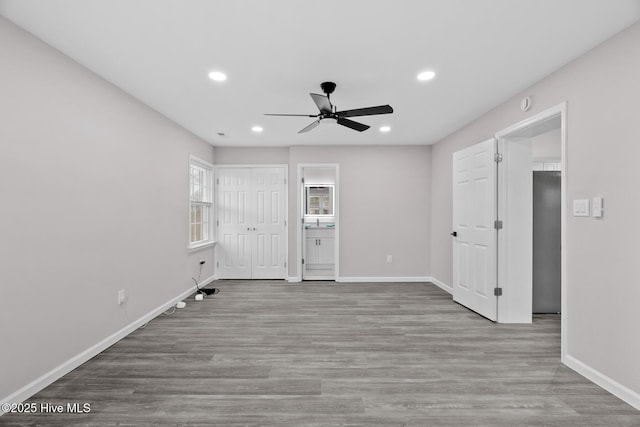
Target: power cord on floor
(203, 291)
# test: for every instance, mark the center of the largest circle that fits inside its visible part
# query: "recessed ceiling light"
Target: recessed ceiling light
(217, 76)
(385, 128)
(426, 75)
(257, 129)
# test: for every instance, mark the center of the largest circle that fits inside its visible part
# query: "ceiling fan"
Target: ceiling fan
(328, 111)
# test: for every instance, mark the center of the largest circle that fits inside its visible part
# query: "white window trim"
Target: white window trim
(193, 160)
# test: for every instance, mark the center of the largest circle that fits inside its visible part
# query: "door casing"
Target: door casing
(510, 309)
(300, 218)
(285, 213)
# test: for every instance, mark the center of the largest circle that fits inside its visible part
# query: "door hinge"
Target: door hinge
(303, 180)
(497, 157)
(285, 222)
(301, 220)
(285, 181)
(217, 263)
(218, 181)
(497, 292)
(497, 224)
(285, 264)
(302, 261)
(218, 222)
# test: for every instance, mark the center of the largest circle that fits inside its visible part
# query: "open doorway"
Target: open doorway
(532, 204)
(319, 223)
(547, 202)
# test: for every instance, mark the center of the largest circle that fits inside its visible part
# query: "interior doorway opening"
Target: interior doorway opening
(319, 221)
(532, 202)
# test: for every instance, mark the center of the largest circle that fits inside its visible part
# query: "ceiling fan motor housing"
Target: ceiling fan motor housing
(328, 87)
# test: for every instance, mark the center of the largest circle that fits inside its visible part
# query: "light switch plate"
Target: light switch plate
(581, 207)
(596, 207)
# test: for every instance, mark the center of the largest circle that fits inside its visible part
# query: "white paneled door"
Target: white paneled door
(251, 223)
(474, 232)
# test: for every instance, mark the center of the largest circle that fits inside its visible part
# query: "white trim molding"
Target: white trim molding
(300, 217)
(416, 279)
(558, 111)
(204, 203)
(216, 209)
(55, 374)
(441, 285)
(612, 386)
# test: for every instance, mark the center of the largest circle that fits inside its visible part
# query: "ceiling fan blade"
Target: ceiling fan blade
(311, 126)
(369, 111)
(293, 115)
(323, 103)
(353, 125)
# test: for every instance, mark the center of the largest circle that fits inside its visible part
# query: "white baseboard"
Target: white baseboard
(55, 374)
(208, 280)
(382, 279)
(612, 386)
(441, 285)
(294, 279)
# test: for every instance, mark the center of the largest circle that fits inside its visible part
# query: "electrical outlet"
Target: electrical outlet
(121, 297)
(202, 262)
(389, 258)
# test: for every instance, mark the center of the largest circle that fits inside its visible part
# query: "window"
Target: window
(200, 203)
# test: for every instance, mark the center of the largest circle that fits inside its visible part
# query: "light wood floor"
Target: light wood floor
(322, 354)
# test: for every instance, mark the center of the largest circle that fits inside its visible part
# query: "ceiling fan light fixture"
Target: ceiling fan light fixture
(257, 129)
(217, 76)
(329, 114)
(385, 129)
(426, 75)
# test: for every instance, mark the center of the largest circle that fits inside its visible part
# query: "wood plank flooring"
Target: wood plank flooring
(270, 353)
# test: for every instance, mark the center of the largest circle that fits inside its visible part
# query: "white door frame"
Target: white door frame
(286, 208)
(504, 302)
(300, 217)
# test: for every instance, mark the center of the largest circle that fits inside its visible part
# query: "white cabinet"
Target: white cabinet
(319, 254)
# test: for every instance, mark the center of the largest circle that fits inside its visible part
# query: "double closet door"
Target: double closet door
(251, 222)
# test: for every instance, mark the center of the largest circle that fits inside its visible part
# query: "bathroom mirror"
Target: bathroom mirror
(319, 200)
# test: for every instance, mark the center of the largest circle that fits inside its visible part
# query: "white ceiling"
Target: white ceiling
(275, 52)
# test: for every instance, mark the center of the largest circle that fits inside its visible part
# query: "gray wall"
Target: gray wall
(384, 208)
(384, 204)
(252, 155)
(603, 293)
(94, 190)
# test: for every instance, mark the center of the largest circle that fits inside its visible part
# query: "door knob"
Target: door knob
(454, 233)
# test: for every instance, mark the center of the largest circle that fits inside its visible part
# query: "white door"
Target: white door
(251, 223)
(474, 241)
(234, 223)
(268, 223)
